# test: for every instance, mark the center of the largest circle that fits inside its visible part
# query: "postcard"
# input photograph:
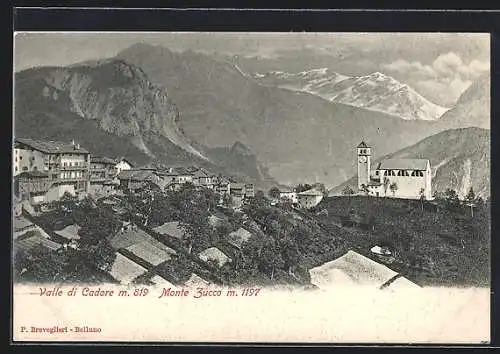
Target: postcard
(240, 187)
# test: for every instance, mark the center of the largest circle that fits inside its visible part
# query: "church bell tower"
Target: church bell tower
(364, 157)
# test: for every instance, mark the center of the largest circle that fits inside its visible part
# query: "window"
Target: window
(376, 173)
(20, 157)
(399, 173)
(16, 169)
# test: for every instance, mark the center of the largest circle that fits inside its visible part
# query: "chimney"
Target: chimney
(78, 146)
(73, 142)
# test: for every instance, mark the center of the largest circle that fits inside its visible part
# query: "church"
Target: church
(398, 178)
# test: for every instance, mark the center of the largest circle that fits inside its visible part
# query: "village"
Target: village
(53, 179)
(84, 218)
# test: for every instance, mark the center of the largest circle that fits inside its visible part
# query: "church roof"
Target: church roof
(403, 164)
(311, 192)
(362, 145)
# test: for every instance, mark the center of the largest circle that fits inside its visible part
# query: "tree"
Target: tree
(227, 201)
(422, 197)
(386, 184)
(302, 188)
(347, 191)
(470, 201)
(274, 193)
(364, 189)
(451, 200)
(393, 187)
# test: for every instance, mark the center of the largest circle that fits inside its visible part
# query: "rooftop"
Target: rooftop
(125, 270)
(34, 239)
(21, 223)
(312, 192)
(157, 280)
(51, 147)
(201, 173)
(172, 228)
(195, 281)
(239, 237)
(362, 145)
(215, 254)
(135, 175)
(103, 160)
(151, 251)
(403, 164)
(354, 269)
(70, 232)
(33, 174)
(128, 236)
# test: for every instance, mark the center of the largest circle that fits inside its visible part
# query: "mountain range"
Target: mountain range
(113, 109)
(376, 92)
(472, 108)
(149, 103)
(300, 137)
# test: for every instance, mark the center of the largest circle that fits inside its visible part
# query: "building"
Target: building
(222, 185)
(62, 167)
(399, 178)
(102, 174)
(122, 164)
(289, 194)
(249, 190)
(215, 255)
(310, 198)
(204, 178)
(354, 269)
(174, 177)
(134, 180)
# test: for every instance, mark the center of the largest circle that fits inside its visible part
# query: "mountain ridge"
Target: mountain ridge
(375, 91)
(110, 107)
(218, 106)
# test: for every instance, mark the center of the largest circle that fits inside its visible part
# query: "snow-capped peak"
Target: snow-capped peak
(375, 91)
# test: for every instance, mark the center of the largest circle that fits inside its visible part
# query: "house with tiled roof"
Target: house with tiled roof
(66, 165)
(203, 178)
(289, 193)
(354, 269)
(310, 198)
(122, 164)
(175, 177)
(173, 229)
(34, 240)
(102, 176)
(238, 238)
(213, 254)
(222, 185)
(135, 179)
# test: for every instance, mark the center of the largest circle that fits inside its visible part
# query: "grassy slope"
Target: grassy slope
(443, 260)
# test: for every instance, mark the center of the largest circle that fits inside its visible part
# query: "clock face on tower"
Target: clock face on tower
(362, 159)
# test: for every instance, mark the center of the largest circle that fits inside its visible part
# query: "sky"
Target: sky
(438, 65)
